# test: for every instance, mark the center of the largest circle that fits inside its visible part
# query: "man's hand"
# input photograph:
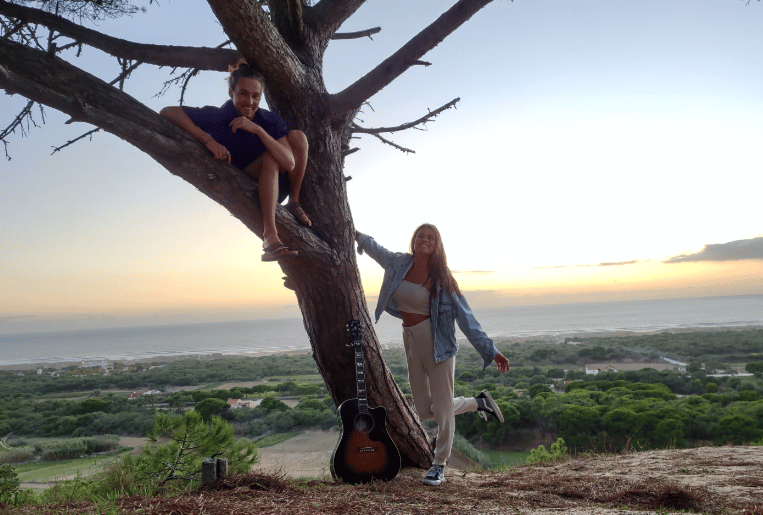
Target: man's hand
(244, 123)
(502, 362)
(218, 150)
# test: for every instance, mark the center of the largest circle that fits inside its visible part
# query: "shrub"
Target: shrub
(471, 452)
(557, 451)
(9, 484)
(16, 456)
(76, 447)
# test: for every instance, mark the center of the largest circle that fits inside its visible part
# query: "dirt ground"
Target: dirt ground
(306, 455)
(694, 480)
(706, 480)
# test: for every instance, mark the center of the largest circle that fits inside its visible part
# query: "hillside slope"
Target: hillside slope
(708, 480)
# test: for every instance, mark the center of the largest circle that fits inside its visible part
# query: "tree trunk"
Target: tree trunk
(286, 44)
(325, 275)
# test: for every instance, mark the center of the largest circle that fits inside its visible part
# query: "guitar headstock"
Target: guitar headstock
(355, 332)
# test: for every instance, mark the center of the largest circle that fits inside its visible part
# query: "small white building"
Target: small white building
(240, 403)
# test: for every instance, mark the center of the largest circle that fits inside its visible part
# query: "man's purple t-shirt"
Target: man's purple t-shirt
(244, 146)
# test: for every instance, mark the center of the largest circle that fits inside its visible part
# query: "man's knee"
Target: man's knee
(298, 142)
(264, 165)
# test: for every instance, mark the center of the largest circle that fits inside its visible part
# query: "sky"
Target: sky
(600, 151)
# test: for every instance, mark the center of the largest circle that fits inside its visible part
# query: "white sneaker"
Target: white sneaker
(435, 476)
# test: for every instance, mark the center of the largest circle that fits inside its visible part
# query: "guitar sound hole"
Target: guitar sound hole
(364, 423)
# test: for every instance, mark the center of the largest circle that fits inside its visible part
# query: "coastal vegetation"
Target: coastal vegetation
(641, 402)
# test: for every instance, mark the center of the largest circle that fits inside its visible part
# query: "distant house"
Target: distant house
(591, 371)
(239, 403)
(100, 363)
(145, 391)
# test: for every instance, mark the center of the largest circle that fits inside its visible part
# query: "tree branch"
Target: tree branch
(357, 35)
(424, 119)
(407, 56)
(287, 17)
(393, 144)
(330, 14)
(75, 140)
(254, 35)
(18, 123)
(217, 59)
(57, 84)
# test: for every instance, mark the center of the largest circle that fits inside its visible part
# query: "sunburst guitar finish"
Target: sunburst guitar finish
(365, 452)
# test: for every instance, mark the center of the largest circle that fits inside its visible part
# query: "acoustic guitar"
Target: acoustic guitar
(365, 451)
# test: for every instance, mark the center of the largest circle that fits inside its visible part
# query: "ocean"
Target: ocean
(287, 334)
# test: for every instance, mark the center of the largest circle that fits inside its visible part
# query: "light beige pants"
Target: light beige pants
(432, 387)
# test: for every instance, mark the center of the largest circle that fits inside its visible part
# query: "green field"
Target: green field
(505, 458)
(48, 471)
(275, 439)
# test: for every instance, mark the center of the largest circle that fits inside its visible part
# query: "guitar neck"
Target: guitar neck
(360, 374)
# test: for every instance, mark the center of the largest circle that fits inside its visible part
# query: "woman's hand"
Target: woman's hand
(502, 362)
(218, 150)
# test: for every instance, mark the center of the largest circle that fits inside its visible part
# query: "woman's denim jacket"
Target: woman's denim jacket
(445, 308)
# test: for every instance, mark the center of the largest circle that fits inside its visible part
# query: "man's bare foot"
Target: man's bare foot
(278, 251)
(297, 212)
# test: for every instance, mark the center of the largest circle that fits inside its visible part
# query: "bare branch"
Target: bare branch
(126, 71)
(357, 35)
(18, 123)
(161, 55)
(407, 56)
(423, 120)
(388, 142)
(185, 78)
(330, 14)
(72, 141)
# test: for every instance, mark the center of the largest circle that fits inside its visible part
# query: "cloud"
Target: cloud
(617, 263)
(731, 251)
(473, 272)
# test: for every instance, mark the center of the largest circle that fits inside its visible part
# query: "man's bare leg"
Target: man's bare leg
(265, 170)
(299, 148)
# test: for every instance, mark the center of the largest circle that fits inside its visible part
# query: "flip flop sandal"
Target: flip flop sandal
(278, 251)
(297, 212)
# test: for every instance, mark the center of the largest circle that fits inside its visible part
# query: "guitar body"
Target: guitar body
(365, 451)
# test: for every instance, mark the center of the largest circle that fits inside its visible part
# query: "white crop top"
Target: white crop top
(412, 298)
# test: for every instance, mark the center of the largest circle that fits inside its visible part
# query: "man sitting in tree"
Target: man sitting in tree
(256, 141)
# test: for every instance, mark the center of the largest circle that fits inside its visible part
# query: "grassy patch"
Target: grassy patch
(505, 458)
(46, 471)
(299, 379)
(274, 439)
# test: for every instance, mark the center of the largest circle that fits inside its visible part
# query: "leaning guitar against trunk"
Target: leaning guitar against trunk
(365, 451)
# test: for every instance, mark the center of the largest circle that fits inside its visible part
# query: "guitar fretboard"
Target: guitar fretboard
(361, 376)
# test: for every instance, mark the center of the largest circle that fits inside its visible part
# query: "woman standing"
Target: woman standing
(419, 288)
